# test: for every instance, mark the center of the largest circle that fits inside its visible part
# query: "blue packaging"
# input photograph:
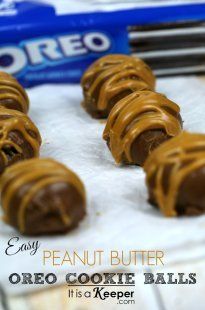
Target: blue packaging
(38, 45)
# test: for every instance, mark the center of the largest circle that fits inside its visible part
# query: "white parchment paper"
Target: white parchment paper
(118, 215)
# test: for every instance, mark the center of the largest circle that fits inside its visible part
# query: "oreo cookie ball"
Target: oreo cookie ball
(42, 196)
(112, 78)
(12, 94)
(138, 124)
(19, 137)
(175, 175)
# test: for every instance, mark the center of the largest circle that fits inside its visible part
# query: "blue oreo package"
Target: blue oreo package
(44, 42)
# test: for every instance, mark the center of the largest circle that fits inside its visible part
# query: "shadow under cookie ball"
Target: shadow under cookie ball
(42, 196)
(19, 138)
(112, 78)
(175, 175)
(12, 94)
(138, 124)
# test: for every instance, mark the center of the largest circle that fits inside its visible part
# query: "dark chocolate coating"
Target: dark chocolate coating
(143, 145)
(146, 143)
(42, 214)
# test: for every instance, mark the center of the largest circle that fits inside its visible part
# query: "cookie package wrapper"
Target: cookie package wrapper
(55, 41)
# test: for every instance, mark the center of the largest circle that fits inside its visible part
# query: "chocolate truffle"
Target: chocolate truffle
(12, 94)
(138, 124)
(112, 78)
(42, 196)
(19, 137)
(175, 175)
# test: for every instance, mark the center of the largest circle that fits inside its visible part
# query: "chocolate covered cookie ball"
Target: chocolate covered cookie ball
(12, 94)
(112, 78)
(138, 124)
(19, 137)
(175, 175)
(42, 196)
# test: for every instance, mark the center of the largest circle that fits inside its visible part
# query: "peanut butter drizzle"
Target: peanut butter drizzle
(17, 121)
(10, 89)
(114, 73)
(185, 153)
(41, 172)
(136, 113)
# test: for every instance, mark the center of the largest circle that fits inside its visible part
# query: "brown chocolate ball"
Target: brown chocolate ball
(112, 78)
(12, 94)
(138, 124)
(42, 196)
(19, 137)
(175, 175)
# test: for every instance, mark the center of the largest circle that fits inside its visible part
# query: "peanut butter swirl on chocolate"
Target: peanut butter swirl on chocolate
(12, 94)
(138, 124)
(175, 175)
(42, 196)
(19, 137)
(110, 79)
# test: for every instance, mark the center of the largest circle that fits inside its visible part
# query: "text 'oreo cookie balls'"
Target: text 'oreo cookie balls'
(138, 124)
(19, 137)
(112, 78)
(42, 196)
(12, 94)
(175, 175)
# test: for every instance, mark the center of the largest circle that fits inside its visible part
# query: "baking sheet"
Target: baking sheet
(118, 215)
